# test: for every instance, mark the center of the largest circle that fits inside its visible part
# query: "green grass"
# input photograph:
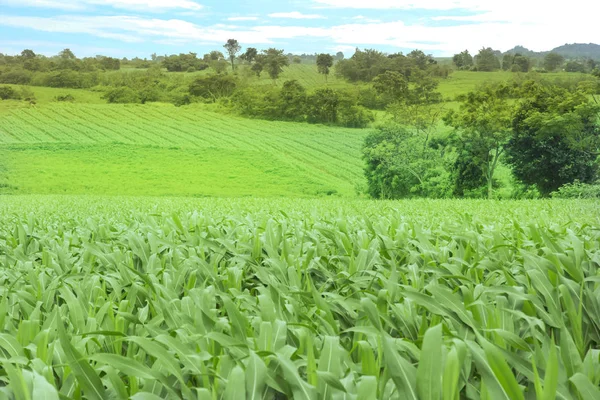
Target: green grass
(46, 95)
(145, 298)
(163, 150)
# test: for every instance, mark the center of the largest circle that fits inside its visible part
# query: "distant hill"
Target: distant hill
(569, 51)
(579, 50)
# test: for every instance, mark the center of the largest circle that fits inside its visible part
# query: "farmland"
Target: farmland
(164, 150)
(111, 297)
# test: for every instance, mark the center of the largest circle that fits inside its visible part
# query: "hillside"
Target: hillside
(164, 150)
(569, 51)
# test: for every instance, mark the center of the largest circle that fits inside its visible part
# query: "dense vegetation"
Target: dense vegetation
(427, 141)
(112, 298)
(272, 298)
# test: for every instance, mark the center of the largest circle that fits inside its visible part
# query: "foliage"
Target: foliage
(250, 54)
(367, 64)
(273, 61)
(574, 66)
(463, 60)
(553, 61)
(214, 87)
(183, 62)
(516, 63)
(487, 60)
(324, 64)
(65, 98)
(578, 190)
(8, 93)
(180, 298)
(401, 164)
(556, 138)
(232, 47)
(484, 123)
(121, 95)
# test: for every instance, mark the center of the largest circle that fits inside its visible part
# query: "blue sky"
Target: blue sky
(141, 27)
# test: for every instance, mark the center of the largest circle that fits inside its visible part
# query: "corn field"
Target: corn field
(117, 298)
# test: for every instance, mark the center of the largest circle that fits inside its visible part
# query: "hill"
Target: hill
(159, 149)
(579, 50)
(569, 51)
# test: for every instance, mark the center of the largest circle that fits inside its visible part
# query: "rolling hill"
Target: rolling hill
(159, 149)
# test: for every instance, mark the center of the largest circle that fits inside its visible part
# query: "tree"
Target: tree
(324, 64)
(392, 85)
(420, 108)
(463, 60)
(396, 166)
(292, 101)
(574, 66)
(233, 47)
(323, 106)
(213, 56)
(219, 66)
(553, 61)
(484, 122)
(213, 87)
(515, 63)
(339, 56)
(28, 54)
(258, 65)
(422, 60)
(249, 55)
(67, 54)
(273, 62)
(487, 60)
(556, 138)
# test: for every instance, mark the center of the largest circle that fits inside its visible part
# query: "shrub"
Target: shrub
(578, 190)
(121, 95)
(16, 77)
(65, 97)
(8, 93)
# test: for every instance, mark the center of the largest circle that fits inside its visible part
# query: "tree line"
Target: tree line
(548, 135)
(488, 59)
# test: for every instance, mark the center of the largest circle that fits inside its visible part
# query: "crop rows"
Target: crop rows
(329, 153)
(157, 298)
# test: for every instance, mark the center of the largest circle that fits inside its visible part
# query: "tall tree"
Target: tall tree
(556, 138)
(249, 55)
(484, 122)
(324, 64)
(273, 62)
(553, 61)
(233, 47)
(27, 54)
(463, 60)
(67, 54)
(487, 60)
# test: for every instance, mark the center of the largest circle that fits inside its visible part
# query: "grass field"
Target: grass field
(145, 298)
(164, 150)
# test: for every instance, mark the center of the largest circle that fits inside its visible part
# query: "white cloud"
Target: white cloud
(152, 5)
(535, 27)
(242, 18)
(403, 4)
(296, 15)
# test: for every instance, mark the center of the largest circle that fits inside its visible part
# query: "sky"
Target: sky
(138, 28)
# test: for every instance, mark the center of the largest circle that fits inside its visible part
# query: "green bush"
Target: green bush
(16, 77)
(8, 93)
(65, 97)
(122, 95)
(578, 190)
